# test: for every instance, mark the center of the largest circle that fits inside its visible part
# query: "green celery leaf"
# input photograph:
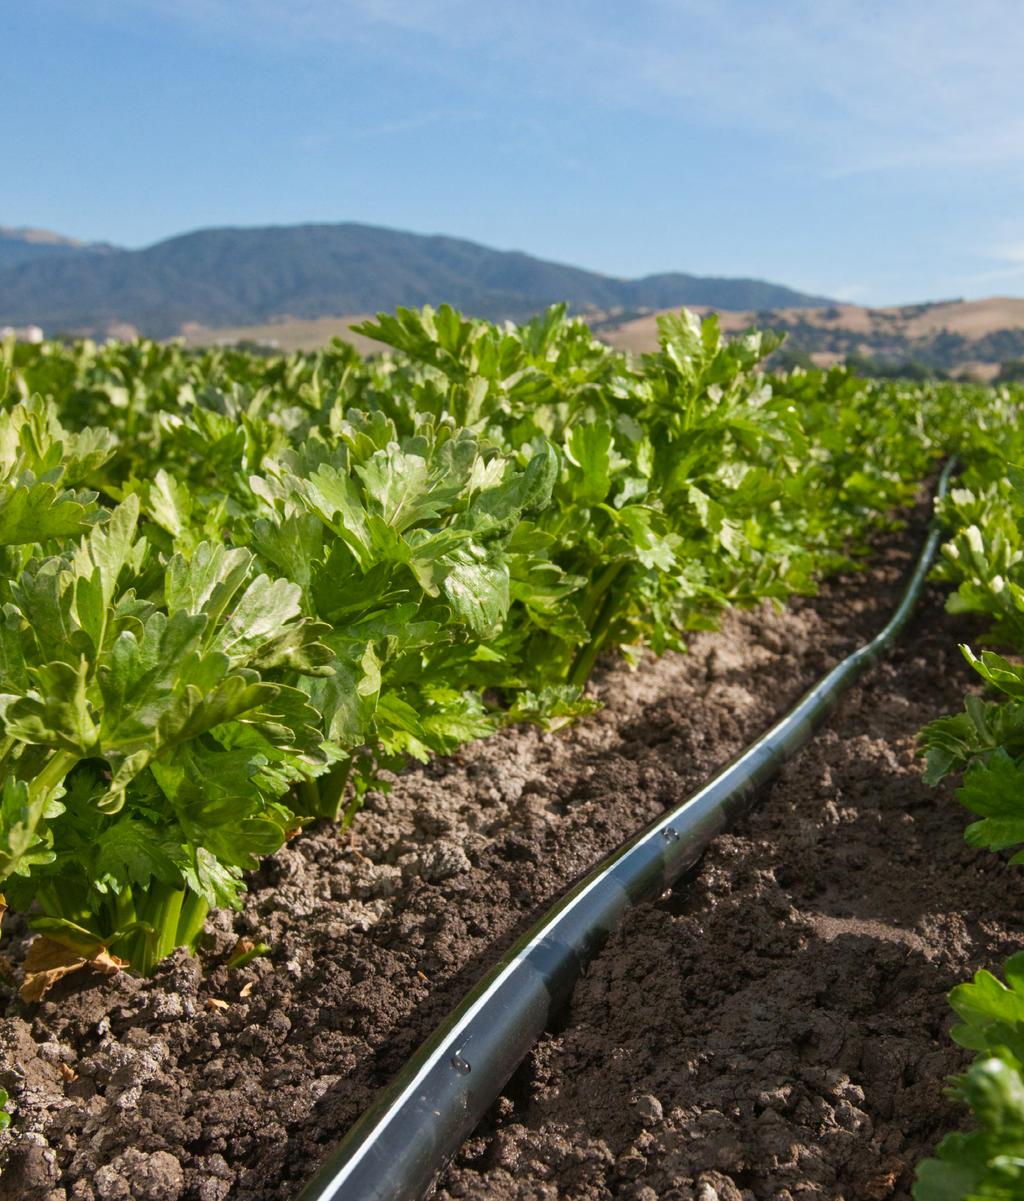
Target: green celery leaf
(994, 789)
(588, 446)
(1001, 673)
(39, 512)
(987, 1163)
(478, 592)
(56, 712)
(405, 490)
(134, 852)
(258, 619)
(141, 679)
(24, 841)
(220, 885)
(207, 581)
(992, 1013)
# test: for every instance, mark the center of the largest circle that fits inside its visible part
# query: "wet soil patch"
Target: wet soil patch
(776, 1025)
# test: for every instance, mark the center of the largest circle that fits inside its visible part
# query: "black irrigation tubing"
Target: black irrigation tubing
(395, 1150)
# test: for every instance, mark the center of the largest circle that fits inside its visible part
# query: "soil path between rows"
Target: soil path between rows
(774, 1029)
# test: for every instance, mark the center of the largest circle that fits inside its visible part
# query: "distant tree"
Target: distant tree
(915, 370)
(1010, 372)
(863, 365)
(868, 367)
(790, 357)
(263, 350)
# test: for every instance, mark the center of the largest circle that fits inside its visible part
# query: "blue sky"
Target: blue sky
(873, 152)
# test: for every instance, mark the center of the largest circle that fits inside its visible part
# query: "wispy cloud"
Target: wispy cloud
(809, 140)
(862, 87)
(1008, 259)
(319, 139)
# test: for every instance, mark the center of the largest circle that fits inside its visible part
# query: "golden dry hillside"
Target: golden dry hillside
(284, 333)
(958, 336)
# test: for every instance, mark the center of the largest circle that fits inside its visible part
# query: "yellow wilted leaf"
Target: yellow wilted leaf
(48, 961)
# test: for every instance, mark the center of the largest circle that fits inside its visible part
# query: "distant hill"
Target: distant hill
(32, 245)
(237, 277)
(954, 336)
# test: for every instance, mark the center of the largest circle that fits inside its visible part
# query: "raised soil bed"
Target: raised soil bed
(773, 1028)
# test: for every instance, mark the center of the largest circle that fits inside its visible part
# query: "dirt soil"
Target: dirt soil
(774, 1029)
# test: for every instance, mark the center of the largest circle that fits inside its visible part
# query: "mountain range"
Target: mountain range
(244, 276)
(32, 245)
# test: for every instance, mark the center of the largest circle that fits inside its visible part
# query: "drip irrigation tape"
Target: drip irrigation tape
(397, 1147)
